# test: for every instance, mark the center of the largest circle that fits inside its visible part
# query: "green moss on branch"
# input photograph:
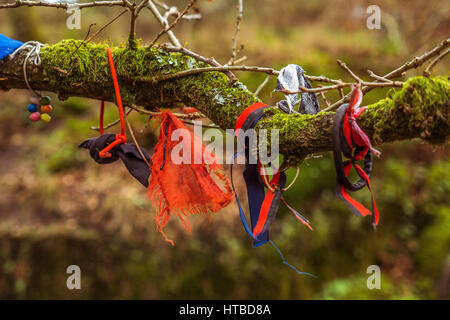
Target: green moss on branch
(210, 92)
(418, 110)
(70, 68)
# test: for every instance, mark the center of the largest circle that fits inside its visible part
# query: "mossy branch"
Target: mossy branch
(420, 109)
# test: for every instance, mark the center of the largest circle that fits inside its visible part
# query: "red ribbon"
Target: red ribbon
(356, 137)
(121, 137)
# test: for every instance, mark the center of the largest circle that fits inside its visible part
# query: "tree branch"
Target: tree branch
(234, 49)
(163, 22)
(420, 109)
(62, 5)
(178, 18)
(412, 64)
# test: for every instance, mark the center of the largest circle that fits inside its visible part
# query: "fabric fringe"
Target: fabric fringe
(187, 188)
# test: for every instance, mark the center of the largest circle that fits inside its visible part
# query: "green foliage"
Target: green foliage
(355, 288)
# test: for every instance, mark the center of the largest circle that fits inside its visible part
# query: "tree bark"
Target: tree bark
(69, 68)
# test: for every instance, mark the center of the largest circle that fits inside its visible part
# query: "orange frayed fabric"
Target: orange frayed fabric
(188, 187)
(189, 110)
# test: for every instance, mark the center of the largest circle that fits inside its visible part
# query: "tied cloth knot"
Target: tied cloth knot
(33, 54)
(127, 152)
(349, 139)
(263, 206)
(118, 139)
(358, 136)
(110, 147)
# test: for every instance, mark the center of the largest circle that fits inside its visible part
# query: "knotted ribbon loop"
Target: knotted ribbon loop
(127, 152)
(255, 189)
(110, 147)
(350, 140)
(263, 206)
(343, 144)
(122, 136)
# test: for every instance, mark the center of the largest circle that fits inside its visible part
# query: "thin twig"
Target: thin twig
(350, 72)
(170, 48)
(262, 85)
(269, 71)
(227, 69)
(195, 115)
(412, 64)
(162, 5)
(213, 126)
(345, 85)
(146, 124)
(132, 31)
(377, 77)
(190, 4)
(85, 37)
(418, 61)
(324, 98)
(134, 13)
(136, 143)
(141, 6)
(173, 11)
(105, 26)
(241, 59)
(151, 6)
(62, 5)
(430, 67)
(234, 50)
(189, 72)
(321, 79)
(112, 124)
(211, 61)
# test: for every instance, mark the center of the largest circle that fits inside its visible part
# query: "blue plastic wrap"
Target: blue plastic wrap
(8, 46)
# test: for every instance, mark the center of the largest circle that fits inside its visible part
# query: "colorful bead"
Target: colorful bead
(35, 116)
(46, 109)
(46, 117)
(45, 100)
(32, 107)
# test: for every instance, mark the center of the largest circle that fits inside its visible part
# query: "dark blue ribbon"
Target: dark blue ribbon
(256, 193)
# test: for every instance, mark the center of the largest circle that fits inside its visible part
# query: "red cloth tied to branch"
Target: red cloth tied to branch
(188, 187)
(349, 139)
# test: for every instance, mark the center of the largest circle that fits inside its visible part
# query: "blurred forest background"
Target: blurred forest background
(58, 207)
